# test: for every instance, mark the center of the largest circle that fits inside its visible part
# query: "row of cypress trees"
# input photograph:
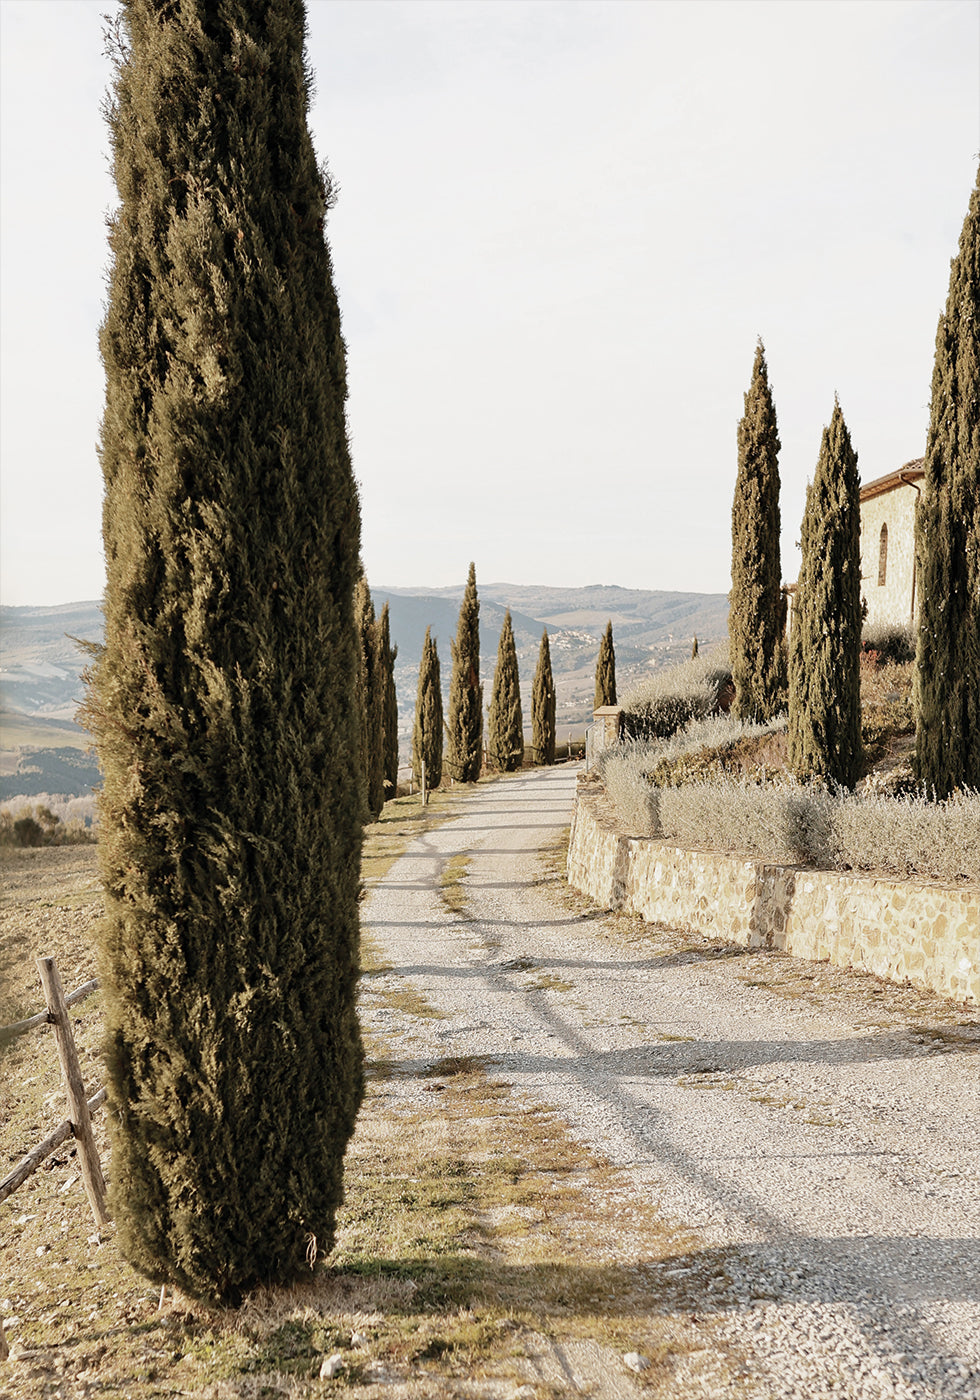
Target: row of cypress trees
(464, 727)
(824, 699)
(821, 669)
(377, 702)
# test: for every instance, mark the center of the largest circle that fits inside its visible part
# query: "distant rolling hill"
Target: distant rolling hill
(40, 664)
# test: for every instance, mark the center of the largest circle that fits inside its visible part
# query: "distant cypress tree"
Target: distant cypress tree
(388, 654)
(427, 730)
(230, 833)
(505, 724)
(464, 750)
(543, 706)
(371, 701)
(694, 649)
(605, 671)
(947, 663)
(824, 689)
(758, 656)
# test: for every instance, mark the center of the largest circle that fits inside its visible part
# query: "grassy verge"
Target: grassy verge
(480, 1244)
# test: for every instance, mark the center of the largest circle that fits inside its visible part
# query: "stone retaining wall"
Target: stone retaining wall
(926, 934)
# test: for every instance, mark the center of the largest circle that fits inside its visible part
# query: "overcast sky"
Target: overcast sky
(561, 228)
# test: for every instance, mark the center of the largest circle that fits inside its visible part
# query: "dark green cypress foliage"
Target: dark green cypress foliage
(371, 701)
(230, 839)
(505, 724)
(427, 730)
(543, 706)
(464, 749)
(824, 677)
(605, 671)
(755, 608)
(947, 662)
(388, 653)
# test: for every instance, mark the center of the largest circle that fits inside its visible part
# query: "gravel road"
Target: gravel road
(819, 1133)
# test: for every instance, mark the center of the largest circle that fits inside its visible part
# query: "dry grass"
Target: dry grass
(452, 883)
(477, 1241)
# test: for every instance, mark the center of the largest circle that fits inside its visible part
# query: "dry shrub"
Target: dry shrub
(36, 824)
(635, 798)
(663, 703)
(909, 835)
(892, 642)
(782, 823)
(793, 825)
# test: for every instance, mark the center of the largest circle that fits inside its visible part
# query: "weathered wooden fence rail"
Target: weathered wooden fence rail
(80, 1108)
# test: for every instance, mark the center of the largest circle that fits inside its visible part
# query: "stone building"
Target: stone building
(888, 507)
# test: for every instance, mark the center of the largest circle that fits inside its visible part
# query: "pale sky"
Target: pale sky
(562, 224)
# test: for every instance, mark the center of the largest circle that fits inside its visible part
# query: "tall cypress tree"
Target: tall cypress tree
(947, 662)
(427, 730)
(371, 700)
(824, 677)
(505, 724)
(756, 639)
(605, 671)
(389, 703)
(230, 836)
(543, 706)
(464, 750)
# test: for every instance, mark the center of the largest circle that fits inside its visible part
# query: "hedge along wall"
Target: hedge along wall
(926, 934)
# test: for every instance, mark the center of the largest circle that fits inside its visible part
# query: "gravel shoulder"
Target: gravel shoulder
(817, 1130)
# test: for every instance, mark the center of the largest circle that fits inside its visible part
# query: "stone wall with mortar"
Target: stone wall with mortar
(925, 934)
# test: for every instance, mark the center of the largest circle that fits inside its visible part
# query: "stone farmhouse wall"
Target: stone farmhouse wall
(893, 599)
(928, 935)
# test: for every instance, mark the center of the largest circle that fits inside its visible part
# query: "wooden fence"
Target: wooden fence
(80, 1109)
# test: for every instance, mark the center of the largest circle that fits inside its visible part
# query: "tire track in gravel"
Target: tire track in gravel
(828, 1156)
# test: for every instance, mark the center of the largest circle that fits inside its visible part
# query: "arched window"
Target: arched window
(883, 556)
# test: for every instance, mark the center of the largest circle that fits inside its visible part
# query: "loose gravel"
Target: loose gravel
(818, 1130)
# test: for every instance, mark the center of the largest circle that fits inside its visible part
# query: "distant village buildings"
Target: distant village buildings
(888, 583)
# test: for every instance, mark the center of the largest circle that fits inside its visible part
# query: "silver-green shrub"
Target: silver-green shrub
(782, 823)
(909, 835)
(791, 824)
(664, 702)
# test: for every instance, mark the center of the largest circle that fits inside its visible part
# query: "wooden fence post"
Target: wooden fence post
(78, 1112)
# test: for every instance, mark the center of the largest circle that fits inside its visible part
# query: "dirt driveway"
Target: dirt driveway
(819, 1131)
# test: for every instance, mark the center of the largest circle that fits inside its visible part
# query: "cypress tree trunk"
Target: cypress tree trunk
(372, 701)
(389, 705)
(824, 676)
(505, 723)
(543, 706)
(757, 655)
(947, 662)
(230, 841)
(427, 730)
(464, 757)
(605, 671)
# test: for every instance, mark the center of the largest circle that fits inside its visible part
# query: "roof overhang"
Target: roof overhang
(905, 476)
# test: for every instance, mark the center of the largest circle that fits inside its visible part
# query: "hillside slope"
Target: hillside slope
(41, 664)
